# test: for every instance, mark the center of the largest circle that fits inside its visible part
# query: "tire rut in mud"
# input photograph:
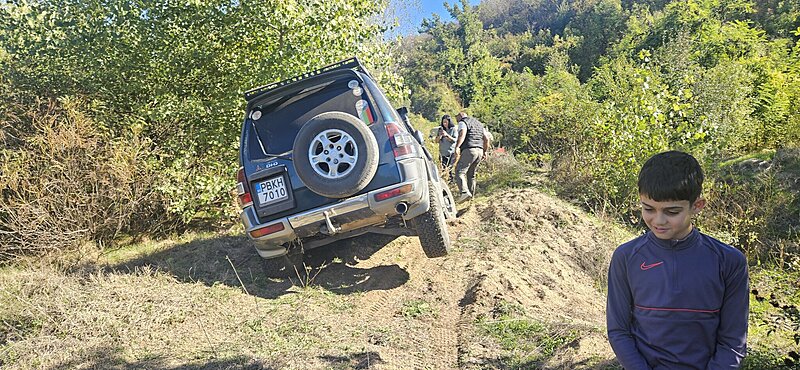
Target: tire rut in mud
(523, 248)
(423, 338)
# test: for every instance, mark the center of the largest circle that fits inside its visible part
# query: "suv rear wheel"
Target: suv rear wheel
(335, 155)
(449, 205)
(431, 226)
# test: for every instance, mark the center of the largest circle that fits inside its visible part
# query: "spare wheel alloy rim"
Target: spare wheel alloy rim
(333, 154)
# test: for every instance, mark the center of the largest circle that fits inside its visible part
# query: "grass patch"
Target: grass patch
(501, 171)
(528, 342)
(774, 335)
(159, 311)
(418, 308)
(763, 155)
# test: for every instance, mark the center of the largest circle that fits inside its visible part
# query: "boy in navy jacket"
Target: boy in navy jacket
(677, 298)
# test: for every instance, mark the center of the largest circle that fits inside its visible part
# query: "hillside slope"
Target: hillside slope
(521, 289)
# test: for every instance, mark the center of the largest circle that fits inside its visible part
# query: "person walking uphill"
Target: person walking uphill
(677, 298)
(448, 133)
(472, 145)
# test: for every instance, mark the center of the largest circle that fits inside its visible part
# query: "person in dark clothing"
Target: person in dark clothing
(677, 298)
(471, 147)
(448, 134)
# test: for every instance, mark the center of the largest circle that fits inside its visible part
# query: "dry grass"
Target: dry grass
(199, 301)
(64, 320)
(65, 181)
(549, 259)
(52, 318)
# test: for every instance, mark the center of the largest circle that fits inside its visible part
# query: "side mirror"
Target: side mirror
(403, 112)
(419, 136)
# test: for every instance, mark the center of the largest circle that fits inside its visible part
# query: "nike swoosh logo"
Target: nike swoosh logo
(647, 267)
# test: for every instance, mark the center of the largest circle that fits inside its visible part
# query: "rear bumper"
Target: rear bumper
(347, 215)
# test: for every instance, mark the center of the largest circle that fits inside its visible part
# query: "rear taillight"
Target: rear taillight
(274, 228)
(396, 192)
(402, 141)
(242, 189)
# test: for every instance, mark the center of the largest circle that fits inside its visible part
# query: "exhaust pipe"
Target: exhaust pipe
(401, 208)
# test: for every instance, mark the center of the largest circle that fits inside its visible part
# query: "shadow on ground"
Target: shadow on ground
(231, 260)
(590, 365)
(363, 360)
(109, 358)
(463, 208)
(506, 363)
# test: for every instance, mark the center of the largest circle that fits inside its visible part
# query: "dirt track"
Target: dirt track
(378, 302)
(522, 248)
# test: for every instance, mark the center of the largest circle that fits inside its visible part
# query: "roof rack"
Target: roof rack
(352, 63)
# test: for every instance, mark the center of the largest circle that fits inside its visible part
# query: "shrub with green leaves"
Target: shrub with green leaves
(713, 78)
(173, 74)
(753, 201)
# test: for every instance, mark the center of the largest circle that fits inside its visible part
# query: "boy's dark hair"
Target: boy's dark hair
(671, 175)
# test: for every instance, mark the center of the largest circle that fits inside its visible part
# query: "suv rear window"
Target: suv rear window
(280, 120)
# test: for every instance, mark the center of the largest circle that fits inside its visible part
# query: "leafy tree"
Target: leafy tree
(780, 18)
(598, 29)
(175, 72)
(461, 54)
(517, 16)
(652, 5)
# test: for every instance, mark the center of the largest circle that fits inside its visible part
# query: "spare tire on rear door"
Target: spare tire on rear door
(335, 155)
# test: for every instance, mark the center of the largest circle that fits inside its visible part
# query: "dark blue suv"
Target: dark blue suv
(324, 156)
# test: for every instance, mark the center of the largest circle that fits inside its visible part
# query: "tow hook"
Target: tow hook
(331, 230)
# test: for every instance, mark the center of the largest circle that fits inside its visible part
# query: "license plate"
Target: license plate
(271, 191)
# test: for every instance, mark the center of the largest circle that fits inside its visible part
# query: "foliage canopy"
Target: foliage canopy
(170, 76)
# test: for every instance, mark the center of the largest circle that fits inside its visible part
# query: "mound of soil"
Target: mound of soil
(543, 255)
(368, 302)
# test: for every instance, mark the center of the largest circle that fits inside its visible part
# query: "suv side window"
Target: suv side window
(387, 112)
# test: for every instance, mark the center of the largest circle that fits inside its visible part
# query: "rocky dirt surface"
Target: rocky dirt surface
(368, 302)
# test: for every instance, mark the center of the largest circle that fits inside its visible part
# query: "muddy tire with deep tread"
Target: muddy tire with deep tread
(431, 226)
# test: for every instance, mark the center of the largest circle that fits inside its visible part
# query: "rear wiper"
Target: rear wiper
(285, 155)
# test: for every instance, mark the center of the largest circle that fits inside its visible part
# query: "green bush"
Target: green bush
(754, 203)
(434, 101)
(774, 333)
(171, 75)
(501, 170)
